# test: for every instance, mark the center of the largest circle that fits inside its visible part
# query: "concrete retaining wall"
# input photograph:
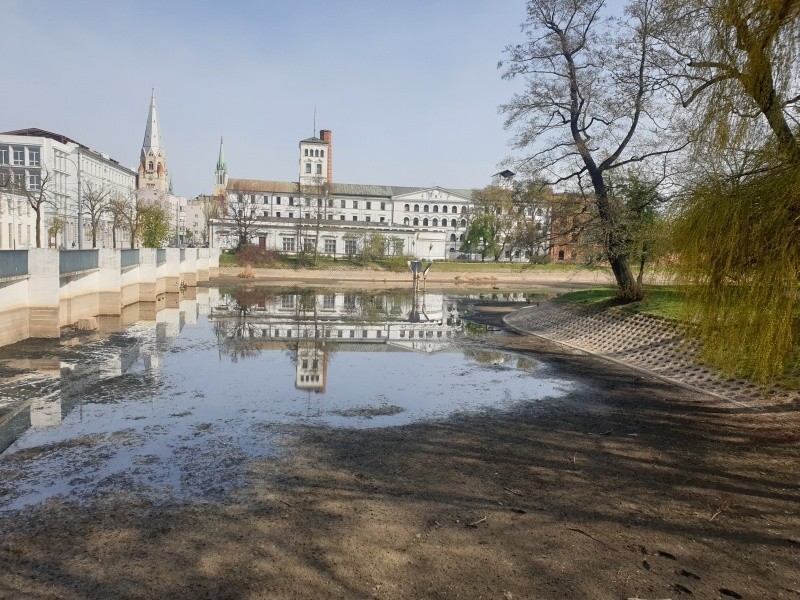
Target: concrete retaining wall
(42, 301)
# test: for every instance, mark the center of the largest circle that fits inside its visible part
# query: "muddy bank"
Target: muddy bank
(625, 488)
(352, 277)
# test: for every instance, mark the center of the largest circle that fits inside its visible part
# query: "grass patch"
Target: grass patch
(447, 266)
(660, 301)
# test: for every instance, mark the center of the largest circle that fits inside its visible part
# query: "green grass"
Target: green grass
(505, 267)
(659, 301)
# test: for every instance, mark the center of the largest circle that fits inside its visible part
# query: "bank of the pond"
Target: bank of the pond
(546, 277)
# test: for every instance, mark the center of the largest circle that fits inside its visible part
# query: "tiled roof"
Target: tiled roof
(339, 189)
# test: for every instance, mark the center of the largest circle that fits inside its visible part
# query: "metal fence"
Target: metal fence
(129, 258)
(161, 256)
(72, 261)
(13, 263)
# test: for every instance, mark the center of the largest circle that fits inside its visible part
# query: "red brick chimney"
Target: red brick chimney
(326, 136)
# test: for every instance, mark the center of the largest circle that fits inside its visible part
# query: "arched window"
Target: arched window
(461, 238)
(435, 208)
(406, 221)
(444, 209)
(425, 222)
(464, 210)
(425, 208)
(406, 208)
(435, 222)
(416, 221)
(316, 152)
(453, 223)
(322, 153)
(452, 237)
(463, 222)
(416, 208)
(455, 209)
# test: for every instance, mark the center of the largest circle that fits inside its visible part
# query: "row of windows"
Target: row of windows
(309, 152)
(292, 201)
(310, 216)
(426, 208)
(16, 156)
(434, 222)
(319, 168)
(351, 333)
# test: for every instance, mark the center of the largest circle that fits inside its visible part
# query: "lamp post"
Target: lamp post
(77, 166)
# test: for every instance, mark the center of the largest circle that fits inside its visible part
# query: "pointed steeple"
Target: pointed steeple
(153, 161)
(221, 166)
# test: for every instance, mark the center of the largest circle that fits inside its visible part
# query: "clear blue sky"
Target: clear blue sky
(410, 89)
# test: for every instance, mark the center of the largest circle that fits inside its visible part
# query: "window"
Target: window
(342, 204)
(322, 153)
(291, 215)
(287, 301)
(288, 245)
(350, 246)
(444, 209)
(34, 181)
(355, 203)
(3, 156)
(463, 222)
(350, 301)
(383, 205)
(425, 222)
(319, 168)
(464, 210)
(416, 208)
(291, 201)
(355, 218)
(330, 246)
(416, 221)
(369, 205)
(308, 167)
(406, 221)
(364, 333)
(316, 152)
(278, 215)
(308, 244)
(455, 209)
(383, 219)
(341, 217)
(435, 208)
(34, 158)
(406, 208)
(435, 222)
(425, 208)
(452, 237)
(369, 219)
(277, 199)
(19, 156)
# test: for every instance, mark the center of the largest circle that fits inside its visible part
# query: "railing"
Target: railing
(183, 254)
(13, 263)
(161, 256)
(129, 258)
(72, 261)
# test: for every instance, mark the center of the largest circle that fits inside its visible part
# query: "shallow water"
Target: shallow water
(176, 409)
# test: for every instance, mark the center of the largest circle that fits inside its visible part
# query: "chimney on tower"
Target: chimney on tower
(326, 136)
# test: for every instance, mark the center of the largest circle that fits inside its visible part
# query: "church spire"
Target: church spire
(221, 166)
(153, 162)
(152, 132)
(221, 174)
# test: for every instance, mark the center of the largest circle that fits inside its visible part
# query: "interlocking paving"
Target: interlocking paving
(648, 343)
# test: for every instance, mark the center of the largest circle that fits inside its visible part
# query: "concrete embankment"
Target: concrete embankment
(643, 342)
(43, 290)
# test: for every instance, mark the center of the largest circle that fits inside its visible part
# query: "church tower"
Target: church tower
(221, 179)
(153, 173)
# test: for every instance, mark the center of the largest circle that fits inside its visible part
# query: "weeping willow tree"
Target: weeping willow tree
(738, 236)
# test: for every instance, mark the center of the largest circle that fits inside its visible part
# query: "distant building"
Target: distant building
(34, 161)
(153, 174)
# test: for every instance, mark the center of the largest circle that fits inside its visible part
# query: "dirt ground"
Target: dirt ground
(628, 488)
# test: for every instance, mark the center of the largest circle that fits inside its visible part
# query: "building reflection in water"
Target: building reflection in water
(45, 391)
(313, 325)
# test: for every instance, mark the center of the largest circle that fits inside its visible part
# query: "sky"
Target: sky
(410, 89)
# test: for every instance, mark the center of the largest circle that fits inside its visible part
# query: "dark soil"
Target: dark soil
(628, 488)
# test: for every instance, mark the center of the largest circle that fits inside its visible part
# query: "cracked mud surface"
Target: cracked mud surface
(627, 488)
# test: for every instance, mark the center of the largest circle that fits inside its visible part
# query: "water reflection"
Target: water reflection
(178, 405)
(312, 325)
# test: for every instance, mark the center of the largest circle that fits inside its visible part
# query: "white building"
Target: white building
(337, 219)
(66, 175)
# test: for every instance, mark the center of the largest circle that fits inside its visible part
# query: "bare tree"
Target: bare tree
(242, 213)
(212, 208)
(36, 189)
(590, 104)
(96, 202)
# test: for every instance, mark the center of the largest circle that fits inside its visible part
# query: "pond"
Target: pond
(177, 408)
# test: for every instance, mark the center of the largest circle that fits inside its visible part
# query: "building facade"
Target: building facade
(68, 179)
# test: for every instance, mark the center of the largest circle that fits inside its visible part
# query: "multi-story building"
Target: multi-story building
(66, 179)
(314, 213)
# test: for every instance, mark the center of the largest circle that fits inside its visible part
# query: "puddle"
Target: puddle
(177, 408)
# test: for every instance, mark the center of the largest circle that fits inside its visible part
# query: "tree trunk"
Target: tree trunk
(38, 211)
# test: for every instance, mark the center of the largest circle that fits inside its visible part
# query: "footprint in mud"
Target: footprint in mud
(730, 593)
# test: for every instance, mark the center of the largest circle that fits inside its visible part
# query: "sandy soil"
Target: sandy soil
(629, 488)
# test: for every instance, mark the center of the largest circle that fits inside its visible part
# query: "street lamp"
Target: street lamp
(77, 166)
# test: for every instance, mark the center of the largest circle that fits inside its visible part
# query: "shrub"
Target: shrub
(256, 256)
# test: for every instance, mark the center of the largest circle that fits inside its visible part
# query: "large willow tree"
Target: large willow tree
(590, 105)
(734, 63)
